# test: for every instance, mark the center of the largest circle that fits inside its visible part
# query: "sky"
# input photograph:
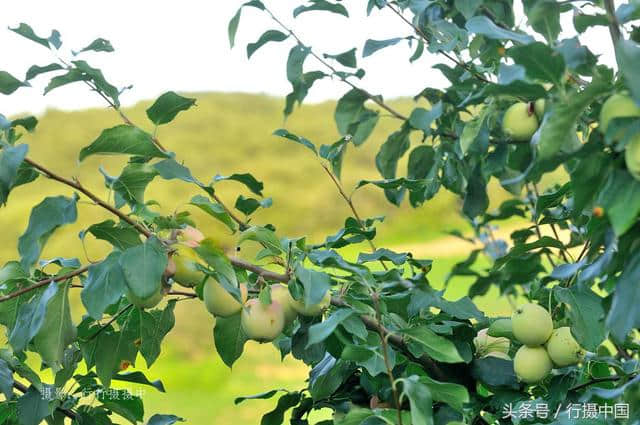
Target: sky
(183, 46)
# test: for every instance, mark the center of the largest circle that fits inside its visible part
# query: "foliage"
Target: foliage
(389, 348)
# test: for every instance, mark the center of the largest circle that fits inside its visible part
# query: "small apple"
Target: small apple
(143, 303)
(260, 322)
(617, 106)
(532, 324)
(532, 364)
(314, 309)
(632, 156)
(187, 273)
(520, 122)
(486, 344)
(280, 294)
(538, 107)
(219, 302)
(563, 349)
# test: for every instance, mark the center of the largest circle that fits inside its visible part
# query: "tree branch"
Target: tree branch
(614, 25)
(375, 99)
(23, 389)
(42, 283)
(593, 381)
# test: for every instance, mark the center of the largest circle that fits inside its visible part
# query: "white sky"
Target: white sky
(183, 46)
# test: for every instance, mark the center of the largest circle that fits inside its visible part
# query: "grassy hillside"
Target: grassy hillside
(230, 133)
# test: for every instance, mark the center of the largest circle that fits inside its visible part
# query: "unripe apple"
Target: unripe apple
(519, 122)
(260, 322)
(532, 364)
(219, 302)
(187, 273)
(538, 107)
(313, 309)
(617, 106)
(532, 324)
(563, 349)
(281, 295)
(632, 156)
(486, 344)
(143, 303)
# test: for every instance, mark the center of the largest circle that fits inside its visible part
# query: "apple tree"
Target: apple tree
(526, 109)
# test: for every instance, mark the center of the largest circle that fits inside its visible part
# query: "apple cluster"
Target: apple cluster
(260, 321)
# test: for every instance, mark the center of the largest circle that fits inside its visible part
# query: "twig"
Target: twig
(537, 227)
(113, 319)
(375, 99)
(183, 293)
(42, 283)
(23, 389)
(553, 229)
(596, 381)
(614, 25)
(621, 351)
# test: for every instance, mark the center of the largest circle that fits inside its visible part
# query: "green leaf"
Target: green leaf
(139, 378)
(129, 407)
(154, 326)
(494, 372)
(261, 396)
(437, 347)
(113, 348)
(169, 169)
(143, 266)
(215, 257)
(101, 84)
(246, 179)
(33, 407)
(385, 255)
(315, 283)
(372, 46)
(540, 61)
(11, 158)
(99, 45)
(104, 285)
(476, 200)
(36, 70)
(229, 338)
(133, 182)
(164, 419)
(620, 198)
(284, 133)
(485, 26)
(264, 236)
(463, 308)
(9, 83)
(327, 376)
(321, 331)
(6, 380)
(123, 139)
(167, 106)
(121, 235)
(421, 119)
(347, 58)
(467, 7)
(454, 395)
(30, 318)
(57, 330)
(582, 21)
(267, 36)
(214, 209)
(233, 23)
(322, 5)
(45, 218)
(557, 133)
(276, 416)
(420, 400)
(544, 17)
(249, 205)
(349, 108)
(295, 62)
(27, 32)
(72, 76)
(628, 57)
(624, 314)
(586, 314)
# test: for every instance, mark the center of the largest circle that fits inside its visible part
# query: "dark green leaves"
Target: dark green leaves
(421, 119)
(233, 23)
(321, 331)
(33, 407)
(143, 266)
(9, 83)
(246, 179)
(419, 400)
(628, 57)
(267, 36)
(494, 372)
(104, 285)
(57, 330)
(316, 284)
(123, 139)
(36, 70)
(45, 218)
(6, 380)
(154, 326)
(295, 62)
(11, 158)
(321, 5)
(586, 314)
(164, 420)
(624, 314)
(424, 340)
(30, 318)
(27, 32)
(347, 58)
(372, 46)
(620, 198)
(484, 26)
(303, 141)
(121, 236)
(214, 209)
(539, 61)
(167, 106)
(229, 338)
(98, 45)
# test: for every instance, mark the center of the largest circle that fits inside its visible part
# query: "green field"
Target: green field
(230, 133)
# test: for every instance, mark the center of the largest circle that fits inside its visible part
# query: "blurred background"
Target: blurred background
(161, 46)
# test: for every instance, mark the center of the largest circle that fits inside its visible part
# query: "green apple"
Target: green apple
(219, 302)
(261, 322)
(617, 106)
(280, 294)
(563, 349)
(519, 122)
(148, 302)
(187, 273)
(313, 309)
(538, 107)
(532, 324)
(501, 327)
(632, 156)
(486, 344)
(532, 364)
